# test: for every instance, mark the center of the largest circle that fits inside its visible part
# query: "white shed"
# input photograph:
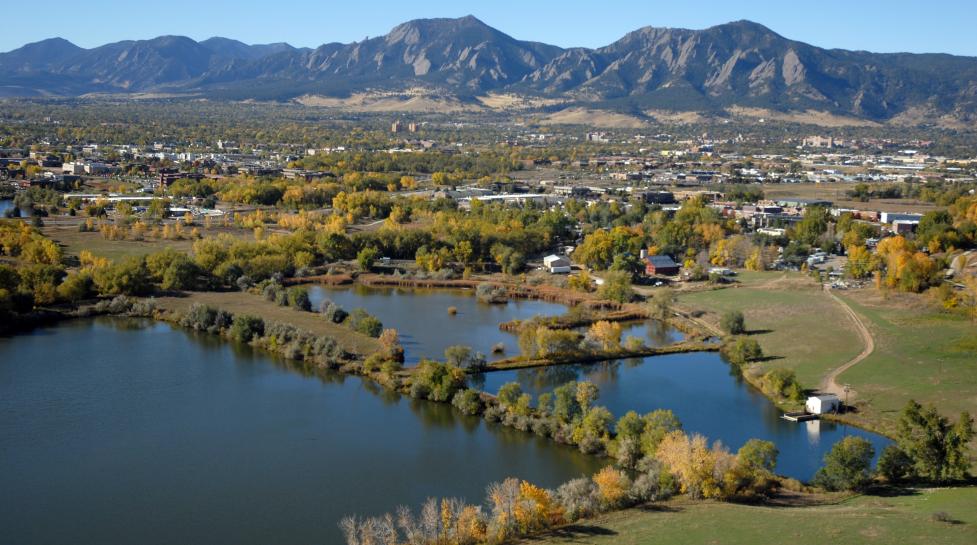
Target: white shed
(556, 264)
(828, 403)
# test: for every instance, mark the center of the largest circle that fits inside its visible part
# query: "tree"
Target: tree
(847, 466)
(660, 307)
(465, 357)
(894, 464)
(586, 394)
(509, 394)
(366, 257)
(606, 334)
(127, 277)
(612, 487)
(617, 287)
(812, 225)
(733, 322)
(742, 350)
(657, 424)
(758, 456)
(937, 447)
(565, 405)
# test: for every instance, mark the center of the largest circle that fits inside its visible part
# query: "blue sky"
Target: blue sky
(876, 25)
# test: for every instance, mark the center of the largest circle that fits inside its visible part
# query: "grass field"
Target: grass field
(904, 520)
(920, 353)
(239, 302)
(797, 325)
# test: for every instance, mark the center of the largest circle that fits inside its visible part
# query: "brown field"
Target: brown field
(73, 242)
(835, 192)
(237, 302)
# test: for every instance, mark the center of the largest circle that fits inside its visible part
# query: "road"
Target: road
(830, 382)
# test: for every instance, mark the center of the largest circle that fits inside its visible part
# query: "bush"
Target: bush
(782, 382)
(847, 466)
(489, 293)
(468, 402)
(246, 328)
(733, 323)
(298, 297)
(578, 498)
(741, 350)
(362, 322)
(332, 312)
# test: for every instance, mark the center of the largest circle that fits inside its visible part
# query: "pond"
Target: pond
(706, 395)
(426, 328)
(7, 204)
(118, 431)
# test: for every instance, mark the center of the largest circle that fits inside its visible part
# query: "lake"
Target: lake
(706, 395)
(117, 431)
(426, 328)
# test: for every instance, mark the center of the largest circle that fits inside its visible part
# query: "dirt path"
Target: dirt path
(830, 383)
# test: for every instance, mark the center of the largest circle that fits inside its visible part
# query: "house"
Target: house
(556, 264)
(660, 264)
(827, 403)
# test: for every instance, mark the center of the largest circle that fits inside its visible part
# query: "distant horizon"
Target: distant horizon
(897, 26)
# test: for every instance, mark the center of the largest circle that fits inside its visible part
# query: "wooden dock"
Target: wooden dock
(799, 416)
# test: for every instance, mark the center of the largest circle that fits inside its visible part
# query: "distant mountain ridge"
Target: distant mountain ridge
(735, 64)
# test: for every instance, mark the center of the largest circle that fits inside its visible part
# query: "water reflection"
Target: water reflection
(708, 395)
(131, 431)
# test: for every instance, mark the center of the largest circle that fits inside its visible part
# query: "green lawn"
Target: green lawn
(903, 520)
(796, 324)
(919, 354)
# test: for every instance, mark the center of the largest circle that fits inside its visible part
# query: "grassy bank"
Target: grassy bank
(799, 326)
(238, 302)
(920, 353)
(907, 519)
(525, 363)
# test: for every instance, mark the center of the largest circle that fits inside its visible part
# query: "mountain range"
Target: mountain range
(735, 65)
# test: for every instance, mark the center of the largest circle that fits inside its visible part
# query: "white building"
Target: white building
(556, 264)
(827, 403)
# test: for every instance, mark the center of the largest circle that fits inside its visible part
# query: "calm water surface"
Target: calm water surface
(111, 433)
(426, 328)
(704, 393)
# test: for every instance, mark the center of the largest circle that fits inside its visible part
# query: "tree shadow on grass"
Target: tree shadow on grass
(758, 331)
(574, 531)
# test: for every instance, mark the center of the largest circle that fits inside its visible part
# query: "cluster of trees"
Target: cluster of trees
(928, 448)
(514, 508)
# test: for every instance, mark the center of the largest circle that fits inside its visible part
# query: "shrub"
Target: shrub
(246, 327)
(489, 293)
(362, 322)
(578, 498)
(782, 382)
(741, 350)
(298, 297)
(733, 323)
(332, 312)
(468, 402)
